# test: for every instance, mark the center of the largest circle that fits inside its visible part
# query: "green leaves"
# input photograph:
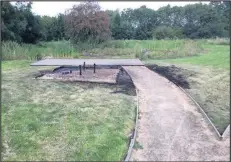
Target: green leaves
(20, 24)
(87, 23)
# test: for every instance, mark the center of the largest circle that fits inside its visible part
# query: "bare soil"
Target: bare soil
(101, 75)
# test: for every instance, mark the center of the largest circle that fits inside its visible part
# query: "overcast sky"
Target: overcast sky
(54, 8)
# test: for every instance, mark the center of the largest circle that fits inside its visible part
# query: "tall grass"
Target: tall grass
(14, 51)
(147, 49)
(219, 41)
(142, 49)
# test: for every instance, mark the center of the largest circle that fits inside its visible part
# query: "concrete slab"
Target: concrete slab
(77, 62)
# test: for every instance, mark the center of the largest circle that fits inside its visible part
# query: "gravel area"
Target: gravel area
(170, 127)
(101, 75)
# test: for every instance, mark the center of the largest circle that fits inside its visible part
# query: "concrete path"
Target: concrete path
(88, 62)
(170, 127)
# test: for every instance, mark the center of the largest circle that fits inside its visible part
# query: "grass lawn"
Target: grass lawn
(51, 120)
(216, 56)
(210, 82)
(208, 60)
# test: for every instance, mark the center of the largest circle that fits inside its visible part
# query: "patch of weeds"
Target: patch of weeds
(137, 145)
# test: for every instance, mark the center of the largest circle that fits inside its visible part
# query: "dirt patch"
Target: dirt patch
(101, 75)
(174, 74)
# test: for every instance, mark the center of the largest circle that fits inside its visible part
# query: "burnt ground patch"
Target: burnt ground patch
(121, 80)
(175, 74)
(124, 83)
(205, 85)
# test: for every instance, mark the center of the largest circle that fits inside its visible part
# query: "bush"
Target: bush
(164, 32)
(219, 41)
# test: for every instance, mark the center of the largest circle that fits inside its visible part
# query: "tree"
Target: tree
(47, 24)
(145, 20)
(19, 24)
(116, 29)
(86, 22)
(13, 22)
(222, 9)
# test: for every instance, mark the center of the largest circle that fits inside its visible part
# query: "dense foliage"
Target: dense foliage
(87, 21)
(191, 21)
(18, 23)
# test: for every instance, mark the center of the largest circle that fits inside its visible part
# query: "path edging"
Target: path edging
(132, 141)
(226, 132)
(221, 137)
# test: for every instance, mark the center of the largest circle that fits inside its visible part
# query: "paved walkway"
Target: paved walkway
(170, 127)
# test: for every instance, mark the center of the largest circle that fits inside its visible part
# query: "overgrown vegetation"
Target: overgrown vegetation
(48, 120)
(146, 49)
(15, 51)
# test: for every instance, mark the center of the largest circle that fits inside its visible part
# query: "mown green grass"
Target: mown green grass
(51, 120)
(15, 64)
(217, 56)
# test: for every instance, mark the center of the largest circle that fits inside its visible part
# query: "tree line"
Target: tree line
(87, 22)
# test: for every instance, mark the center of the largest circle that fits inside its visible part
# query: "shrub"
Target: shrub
(164, 32)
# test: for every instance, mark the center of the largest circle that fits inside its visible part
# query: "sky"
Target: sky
(53, 8)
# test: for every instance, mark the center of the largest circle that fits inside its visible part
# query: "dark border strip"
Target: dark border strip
(133, 139)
